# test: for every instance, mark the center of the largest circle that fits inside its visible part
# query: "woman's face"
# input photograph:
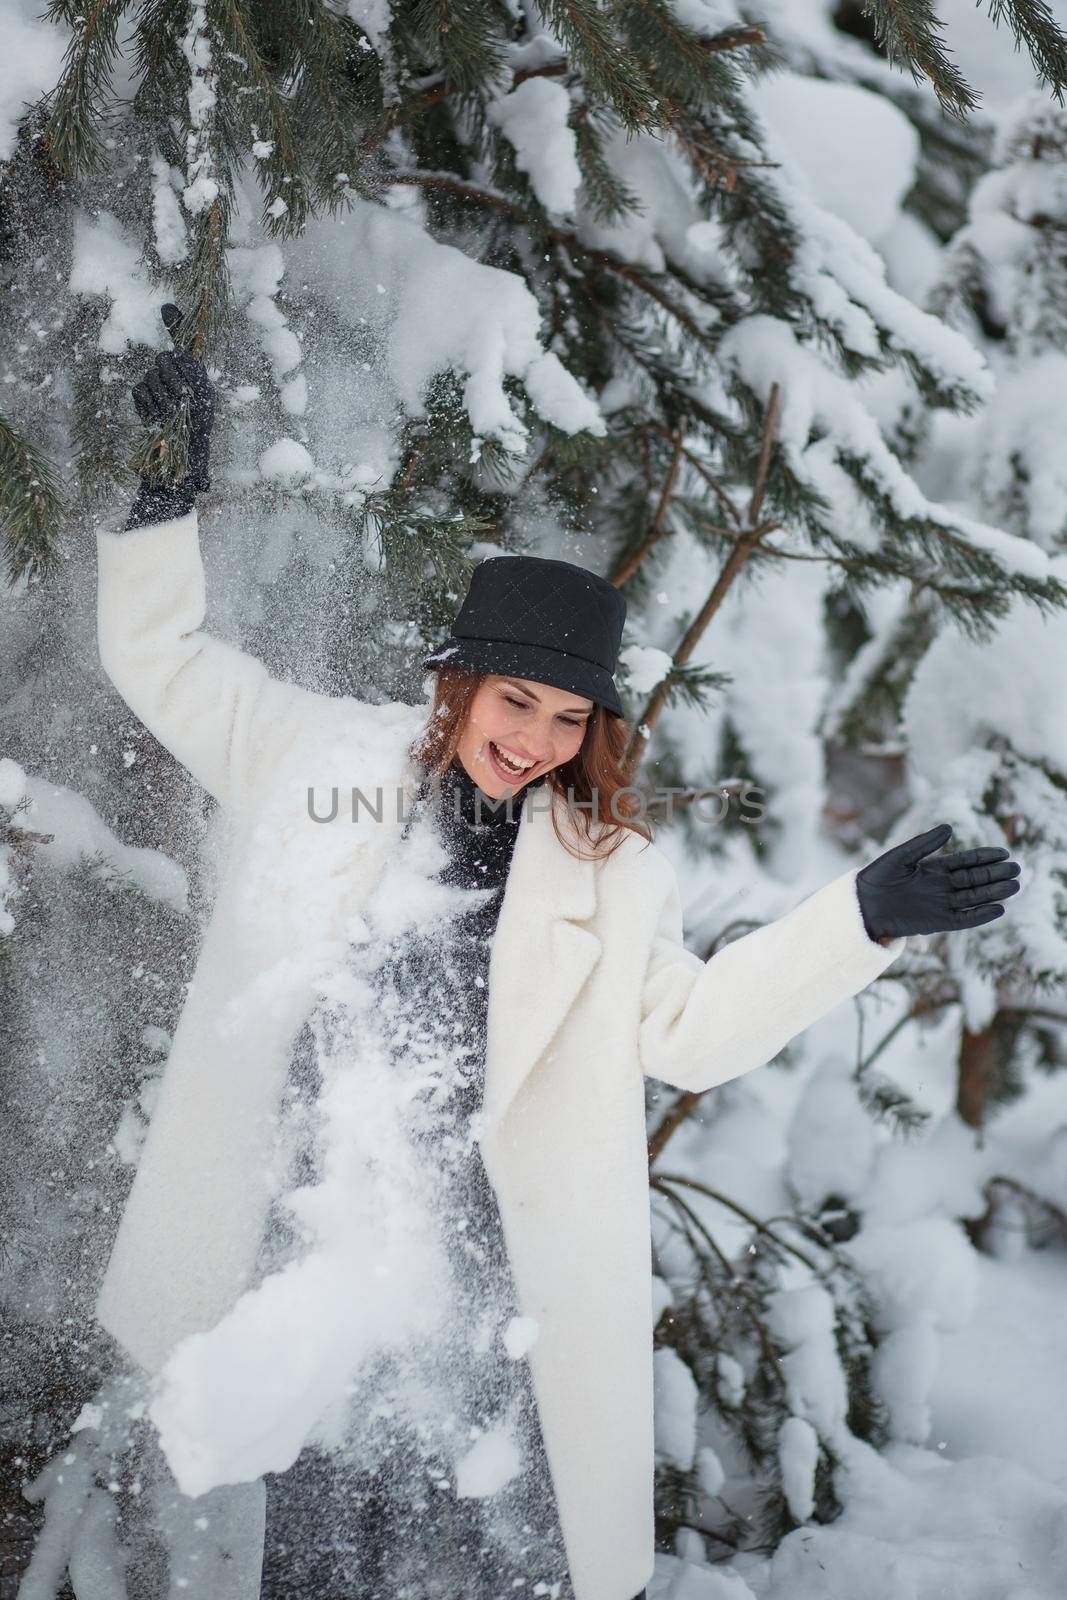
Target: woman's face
(530, 722)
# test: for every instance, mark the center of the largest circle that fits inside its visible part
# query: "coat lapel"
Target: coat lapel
(541, 954)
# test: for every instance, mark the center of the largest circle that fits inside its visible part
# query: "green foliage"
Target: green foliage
(31, 506)
(303, 86)
(612, 73)
(911, 34)
(162, 453)
(719, 1322)
(464, 40)
(1033, 25)
(885, 1101)
(79, 104)
(607, 197)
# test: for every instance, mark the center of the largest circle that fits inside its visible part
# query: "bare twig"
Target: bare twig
(733, 39)
(397, 115)
(657, 701)
(745, 543)
(689, 797)
(770, 428)
(705, 157)
(678, 1113)
(728, 39)
(739, 1210)
(658, 528)
(603, 258)
(18, 838)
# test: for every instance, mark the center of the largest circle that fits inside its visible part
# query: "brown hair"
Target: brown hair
(596, 768)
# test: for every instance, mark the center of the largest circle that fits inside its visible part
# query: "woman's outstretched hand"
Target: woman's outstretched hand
(174, 377)
(902, 892)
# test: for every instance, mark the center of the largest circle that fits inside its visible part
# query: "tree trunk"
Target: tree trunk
(977, 1063)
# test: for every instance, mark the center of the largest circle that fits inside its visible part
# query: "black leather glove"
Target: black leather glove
(156, 397)
(901, 892)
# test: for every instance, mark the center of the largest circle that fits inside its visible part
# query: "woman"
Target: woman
(575, 932)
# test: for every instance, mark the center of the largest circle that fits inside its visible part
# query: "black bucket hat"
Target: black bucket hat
(537, 618)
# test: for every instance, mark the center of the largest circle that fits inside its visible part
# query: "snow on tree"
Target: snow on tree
(999, 750)
(1004, 271)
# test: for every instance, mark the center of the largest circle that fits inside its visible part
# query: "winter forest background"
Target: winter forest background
(761, 311)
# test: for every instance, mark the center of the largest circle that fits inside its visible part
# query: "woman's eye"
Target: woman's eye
(572, 722)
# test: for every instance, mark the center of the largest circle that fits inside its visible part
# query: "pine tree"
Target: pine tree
(1005, 283)
(1005, 272)
(996, 761)
(649, 352)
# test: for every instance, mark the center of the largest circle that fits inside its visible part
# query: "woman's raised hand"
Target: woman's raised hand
(175, 376)
(903, 892)
(160, 392)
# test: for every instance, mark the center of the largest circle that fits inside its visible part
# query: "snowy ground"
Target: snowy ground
(980, 1516)
(978, 1510)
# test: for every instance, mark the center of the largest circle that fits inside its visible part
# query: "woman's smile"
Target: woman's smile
(549, 718)
(509, 766)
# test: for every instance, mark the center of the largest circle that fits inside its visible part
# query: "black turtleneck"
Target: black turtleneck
(438, 977)
(478, 832)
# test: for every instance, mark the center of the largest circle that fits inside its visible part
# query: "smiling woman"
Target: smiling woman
(489, 737)
(487, 993)
(577, 749)
(545, 636)
(517, 730)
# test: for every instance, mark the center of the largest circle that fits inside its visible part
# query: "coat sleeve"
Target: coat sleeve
(705, 1022)
(217, 710)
